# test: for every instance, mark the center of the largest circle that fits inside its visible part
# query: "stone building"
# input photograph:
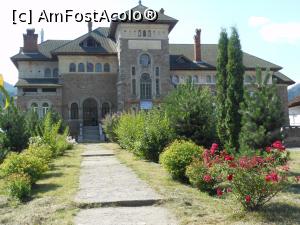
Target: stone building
(127, 66)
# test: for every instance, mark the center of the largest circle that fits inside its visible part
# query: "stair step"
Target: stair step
(91, 132)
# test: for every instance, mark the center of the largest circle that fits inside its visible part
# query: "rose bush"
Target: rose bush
(255, 180)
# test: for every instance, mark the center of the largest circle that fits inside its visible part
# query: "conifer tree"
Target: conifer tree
(221, 86)
(235, 89)
(262, 115)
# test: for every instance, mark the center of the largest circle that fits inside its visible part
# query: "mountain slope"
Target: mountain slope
(294, 91)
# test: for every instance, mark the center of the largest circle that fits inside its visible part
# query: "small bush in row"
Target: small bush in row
(110, 124)
(24, 163)
(145, 134)
(177, 156)
(18, 185)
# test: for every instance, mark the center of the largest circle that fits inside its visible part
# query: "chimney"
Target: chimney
(30, 41)
(197, 46)
(162, 11)
(42, 35)
(90, 26)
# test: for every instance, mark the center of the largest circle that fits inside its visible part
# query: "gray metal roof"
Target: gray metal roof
(107, 45)
(161, 19)
(209, 55)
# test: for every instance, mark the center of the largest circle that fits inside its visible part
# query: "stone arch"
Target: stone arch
(90, 112)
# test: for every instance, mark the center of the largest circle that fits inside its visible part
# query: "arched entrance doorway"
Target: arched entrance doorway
(90, 112)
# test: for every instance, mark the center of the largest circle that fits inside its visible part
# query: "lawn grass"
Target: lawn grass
(191, 206)
(52, 196)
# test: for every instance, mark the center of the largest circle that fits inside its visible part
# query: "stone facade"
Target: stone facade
(128, 66)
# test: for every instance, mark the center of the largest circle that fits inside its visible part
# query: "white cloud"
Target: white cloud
(281, 32)
(256, 21)
(270, 31)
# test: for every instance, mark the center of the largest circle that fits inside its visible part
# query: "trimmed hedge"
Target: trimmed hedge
(177, 156)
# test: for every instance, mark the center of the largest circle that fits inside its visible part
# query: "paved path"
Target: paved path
(114, 194)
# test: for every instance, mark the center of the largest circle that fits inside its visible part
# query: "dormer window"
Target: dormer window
(90, 43)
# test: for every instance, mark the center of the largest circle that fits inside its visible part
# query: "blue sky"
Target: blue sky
(269, 29)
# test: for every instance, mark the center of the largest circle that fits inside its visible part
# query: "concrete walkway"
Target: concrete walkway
(111, 194)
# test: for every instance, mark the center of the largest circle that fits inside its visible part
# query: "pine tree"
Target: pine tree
(221, 85)
(235, 89)
(262, 115)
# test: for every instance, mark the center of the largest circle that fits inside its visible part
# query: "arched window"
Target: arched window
(45, 108)
(208, 79)
(146, 87)
(140, 33)
(133, 86)
(72, 67)
(195, 79)
(105, 109)
(34, 106)
(144, 33)
(248, 79)
(106, 67)
(157, 71)
(149, 33)
(98, 67)
(90, 67)
(74, 111)
(47, 72)
(55, 72)
(81, 67)
(145, 60)
(175, 79)
(133, 70)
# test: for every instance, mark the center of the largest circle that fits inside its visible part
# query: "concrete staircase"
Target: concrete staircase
(90, 134)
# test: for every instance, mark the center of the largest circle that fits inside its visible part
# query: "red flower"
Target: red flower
(229, 177)
(219, 192)
(232, 165)
(213, 148)
(229, 189)
(268, 149)
(278, 145)
(272, 177)
(207, 178)
(228, 158)
(248, 198)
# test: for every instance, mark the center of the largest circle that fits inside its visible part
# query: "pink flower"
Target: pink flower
(248, 198)
(278, 145)
(297, 178)
(228, 158)
(285, 168)
(219, 192)
(229, 177)
(229, 189)
(207, 178)
(213, 148)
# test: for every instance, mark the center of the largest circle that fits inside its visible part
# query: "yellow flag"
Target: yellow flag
(1, 80)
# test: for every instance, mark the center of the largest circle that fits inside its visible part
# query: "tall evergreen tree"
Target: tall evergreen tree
(262, 115)
(221, 85)
(235, 89)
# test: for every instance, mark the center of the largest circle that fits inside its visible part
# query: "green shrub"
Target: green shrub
(24, 163)
(128, 127)
(18, 186)
(13, 124)
(145, 134)
(110, 124)
(177, 156)
(40, 150)
(191, 113)
(62, 145)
